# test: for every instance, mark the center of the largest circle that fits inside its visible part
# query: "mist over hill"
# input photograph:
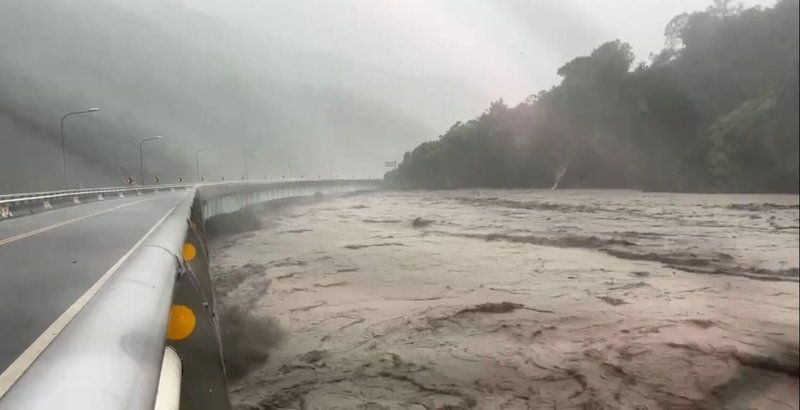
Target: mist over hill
(162, 68)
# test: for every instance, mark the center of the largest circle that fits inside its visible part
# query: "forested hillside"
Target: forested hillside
(715, 110)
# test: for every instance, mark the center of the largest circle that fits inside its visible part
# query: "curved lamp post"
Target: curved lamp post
(63, 145)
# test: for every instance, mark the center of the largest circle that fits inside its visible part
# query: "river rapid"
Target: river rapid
(519, 299)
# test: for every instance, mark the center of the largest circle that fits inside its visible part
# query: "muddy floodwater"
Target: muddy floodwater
(521, 300)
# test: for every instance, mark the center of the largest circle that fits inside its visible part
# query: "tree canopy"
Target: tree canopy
(715, 110)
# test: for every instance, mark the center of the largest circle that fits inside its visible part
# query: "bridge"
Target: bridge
(107, 301)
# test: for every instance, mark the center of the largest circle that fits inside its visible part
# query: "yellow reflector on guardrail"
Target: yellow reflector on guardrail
(181, 322)
(189, 251)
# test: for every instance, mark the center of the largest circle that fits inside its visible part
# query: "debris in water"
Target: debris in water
(418, 222)
(704, 323)
(374, 244)
(630, 286)
(297, 231)
(612, 301)
(502, 307)
(313, 356)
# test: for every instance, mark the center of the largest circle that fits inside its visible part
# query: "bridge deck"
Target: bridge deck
(50, 259)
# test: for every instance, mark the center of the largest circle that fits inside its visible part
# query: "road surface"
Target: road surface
(49, 260)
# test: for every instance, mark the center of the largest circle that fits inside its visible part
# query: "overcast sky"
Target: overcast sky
(340, 86)
(504, 48)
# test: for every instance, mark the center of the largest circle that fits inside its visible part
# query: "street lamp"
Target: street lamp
(63, 146)
(290, 167)
(246, 155)
(141, 156)
(197, 160)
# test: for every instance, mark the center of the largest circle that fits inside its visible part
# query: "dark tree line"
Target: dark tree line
(715, 110)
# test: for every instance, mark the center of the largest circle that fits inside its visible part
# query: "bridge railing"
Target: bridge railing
(84, 191)
(26, 203)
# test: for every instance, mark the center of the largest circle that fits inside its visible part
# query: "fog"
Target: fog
(334, 87)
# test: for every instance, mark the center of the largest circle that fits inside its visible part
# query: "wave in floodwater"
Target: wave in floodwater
(517, 299)
(717, 264)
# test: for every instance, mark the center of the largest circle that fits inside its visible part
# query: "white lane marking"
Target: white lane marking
(68, 221)
(21, 364)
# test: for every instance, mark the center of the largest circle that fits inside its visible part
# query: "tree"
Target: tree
(715, 109)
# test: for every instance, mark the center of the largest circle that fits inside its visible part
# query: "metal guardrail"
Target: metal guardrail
(26, 203)
(6, 198)
(10, 198)
(35, 196)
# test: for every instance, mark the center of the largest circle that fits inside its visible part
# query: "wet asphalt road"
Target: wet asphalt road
(48, 260)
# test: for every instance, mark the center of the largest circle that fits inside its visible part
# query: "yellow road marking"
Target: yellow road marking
(67, 222)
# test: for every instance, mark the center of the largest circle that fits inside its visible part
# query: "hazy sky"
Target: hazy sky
(503, 48)
(340, 86)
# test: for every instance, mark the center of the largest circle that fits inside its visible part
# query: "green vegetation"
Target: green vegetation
(716, 110)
